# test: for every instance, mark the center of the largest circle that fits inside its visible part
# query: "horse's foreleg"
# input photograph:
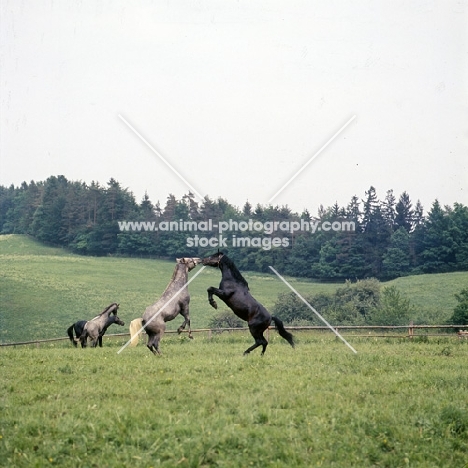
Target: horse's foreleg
(94, 340)
(212, 302)
(223, 295)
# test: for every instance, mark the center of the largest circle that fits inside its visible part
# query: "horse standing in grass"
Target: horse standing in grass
(78, 328)
(234, 292)
(174, 301)
(93, 328)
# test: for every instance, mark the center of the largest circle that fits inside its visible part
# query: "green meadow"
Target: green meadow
(43, 290)
(396, 403)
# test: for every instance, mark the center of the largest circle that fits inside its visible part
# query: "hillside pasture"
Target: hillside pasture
(43, 290)
(396, 403)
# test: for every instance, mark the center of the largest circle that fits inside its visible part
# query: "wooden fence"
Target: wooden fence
(385, 331)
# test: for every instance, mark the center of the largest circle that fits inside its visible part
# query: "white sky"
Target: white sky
(238, 95)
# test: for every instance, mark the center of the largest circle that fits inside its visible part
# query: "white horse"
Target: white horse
(174, 301)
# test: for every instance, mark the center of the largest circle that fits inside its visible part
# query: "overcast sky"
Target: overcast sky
(237, 96)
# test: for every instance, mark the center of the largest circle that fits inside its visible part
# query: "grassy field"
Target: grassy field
(397, 403)
(44, 290)
(202, 404)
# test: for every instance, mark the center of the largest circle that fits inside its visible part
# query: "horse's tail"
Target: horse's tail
(282, 331)
(70, 335)
(135, 326)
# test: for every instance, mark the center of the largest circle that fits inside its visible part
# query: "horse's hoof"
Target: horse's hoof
(214, 304)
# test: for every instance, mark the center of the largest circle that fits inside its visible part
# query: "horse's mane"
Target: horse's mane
(107, 309)
(174, 275)
(236, 274)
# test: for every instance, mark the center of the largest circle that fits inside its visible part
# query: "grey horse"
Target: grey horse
(174, 301)
(78, 328)
(94, 328)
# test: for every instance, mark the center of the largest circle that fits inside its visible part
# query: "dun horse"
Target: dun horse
(234, 292)
(93, 328)
(167, 307)
(78, 327)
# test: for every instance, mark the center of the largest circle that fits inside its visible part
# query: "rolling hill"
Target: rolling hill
(43, 290)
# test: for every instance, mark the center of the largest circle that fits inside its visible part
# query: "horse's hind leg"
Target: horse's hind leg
(260, 340)
(153, 342)
(153, 345)
(83, 339)
(185, 314)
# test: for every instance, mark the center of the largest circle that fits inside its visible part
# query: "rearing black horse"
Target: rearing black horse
(234, 292)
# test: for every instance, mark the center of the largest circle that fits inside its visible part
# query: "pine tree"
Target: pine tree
(146, 209)
(169, 212)
(438, 246)
(396, 260)
(353, 212)
(388, 209)
(192, 206)
(370, 206)
(404, 214)
(458, 230)
(247, 209)
(376, 233)
(47, 223)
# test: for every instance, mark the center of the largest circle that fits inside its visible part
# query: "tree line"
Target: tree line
(393, 237)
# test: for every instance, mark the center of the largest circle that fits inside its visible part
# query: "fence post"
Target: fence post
(411, 330)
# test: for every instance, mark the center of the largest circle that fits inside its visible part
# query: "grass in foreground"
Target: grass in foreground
(394, 404)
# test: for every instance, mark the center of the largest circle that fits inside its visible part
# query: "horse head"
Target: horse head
(213, 260)
(189, 261)
(118, 321)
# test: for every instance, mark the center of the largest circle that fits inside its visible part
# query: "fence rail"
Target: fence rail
(409, 328)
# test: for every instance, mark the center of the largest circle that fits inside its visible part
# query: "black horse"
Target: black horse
(78, 328)
(234, 292)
